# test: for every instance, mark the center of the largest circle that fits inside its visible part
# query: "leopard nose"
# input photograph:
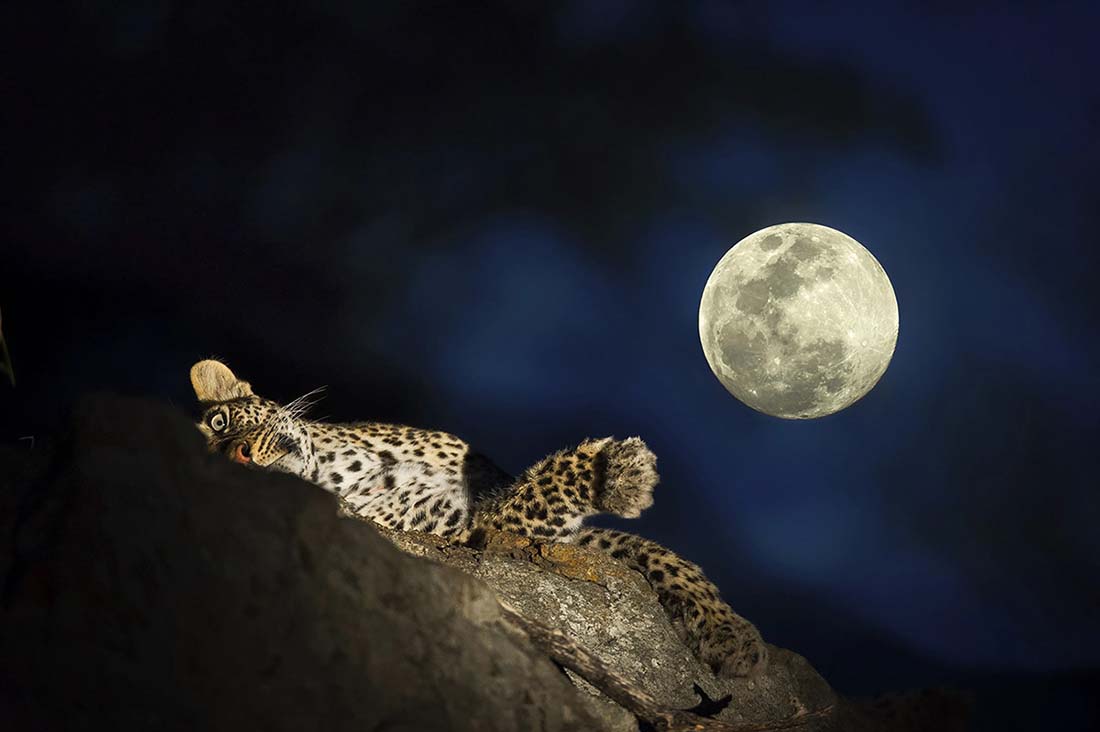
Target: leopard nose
(242, 452)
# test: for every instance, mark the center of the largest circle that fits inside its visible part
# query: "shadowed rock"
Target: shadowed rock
(149, 584)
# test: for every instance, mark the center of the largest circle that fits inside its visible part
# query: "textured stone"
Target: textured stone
(610, 610)
(149, 584)
(156, 586)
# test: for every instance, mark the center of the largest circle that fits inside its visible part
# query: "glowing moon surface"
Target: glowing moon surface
(798, 321)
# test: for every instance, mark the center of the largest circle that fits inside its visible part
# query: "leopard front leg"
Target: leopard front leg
(554, 495)
(718, 636)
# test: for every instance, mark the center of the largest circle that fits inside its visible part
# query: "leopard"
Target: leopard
(413, 479)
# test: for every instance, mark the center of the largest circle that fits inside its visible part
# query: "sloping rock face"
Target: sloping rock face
(147, 584)
(154, 586)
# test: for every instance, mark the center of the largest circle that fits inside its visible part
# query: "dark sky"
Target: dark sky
(499, 221)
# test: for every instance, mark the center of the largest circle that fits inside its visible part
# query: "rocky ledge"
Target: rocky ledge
(147, 584)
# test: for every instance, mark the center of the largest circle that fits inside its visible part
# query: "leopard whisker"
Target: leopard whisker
(296, 408)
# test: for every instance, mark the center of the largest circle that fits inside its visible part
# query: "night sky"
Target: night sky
(499, 221)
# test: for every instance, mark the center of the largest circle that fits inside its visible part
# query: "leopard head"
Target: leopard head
(246, 427)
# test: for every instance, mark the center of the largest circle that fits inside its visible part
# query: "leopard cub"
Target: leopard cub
(407, 478)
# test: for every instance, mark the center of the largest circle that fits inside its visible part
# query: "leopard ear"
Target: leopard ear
(214, 382)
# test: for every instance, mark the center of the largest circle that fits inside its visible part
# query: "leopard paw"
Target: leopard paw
(629, 478)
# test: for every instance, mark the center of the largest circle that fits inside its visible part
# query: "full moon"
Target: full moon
(798, 321)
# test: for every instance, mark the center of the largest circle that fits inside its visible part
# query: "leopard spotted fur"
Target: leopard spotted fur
(407, 478)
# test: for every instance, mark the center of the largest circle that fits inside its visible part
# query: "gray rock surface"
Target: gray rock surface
(149, 584)
(611, 611)
(154, 586)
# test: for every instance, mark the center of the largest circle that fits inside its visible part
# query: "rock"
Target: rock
(157, 586)
(150, 584)
(611, 611)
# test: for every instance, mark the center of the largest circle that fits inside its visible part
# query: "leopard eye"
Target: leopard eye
(218, 422)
